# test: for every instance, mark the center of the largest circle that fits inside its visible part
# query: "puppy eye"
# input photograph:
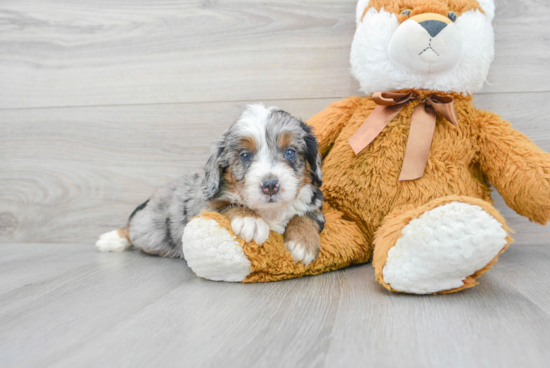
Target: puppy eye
(245, 156)
(452, 16)
(406, 12)
(290, 154)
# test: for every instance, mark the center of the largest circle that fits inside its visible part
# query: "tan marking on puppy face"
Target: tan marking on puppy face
(248, 143)
(285, 139)
(442, 7)
(306, 177)
(232, 185)
(229, 178)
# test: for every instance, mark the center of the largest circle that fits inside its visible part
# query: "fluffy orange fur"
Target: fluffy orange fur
(424, 6)
(366, 206)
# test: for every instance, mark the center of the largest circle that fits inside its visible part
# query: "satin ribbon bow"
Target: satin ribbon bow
(421, 132)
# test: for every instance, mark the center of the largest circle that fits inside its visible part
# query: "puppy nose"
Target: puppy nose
(433, 26)
(270, 186)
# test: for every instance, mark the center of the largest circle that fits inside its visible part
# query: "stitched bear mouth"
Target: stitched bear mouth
(428, 49)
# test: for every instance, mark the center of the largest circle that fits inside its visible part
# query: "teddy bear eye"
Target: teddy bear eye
(406, 12)
(452, 16)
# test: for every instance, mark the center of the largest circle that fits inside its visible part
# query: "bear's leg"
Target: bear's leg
(214, 252)
(440, 247)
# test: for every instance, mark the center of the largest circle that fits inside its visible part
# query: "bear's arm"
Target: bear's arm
(328, 123)
(516, 167)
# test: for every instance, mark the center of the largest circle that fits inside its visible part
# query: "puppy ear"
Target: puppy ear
(318, 172)
(313, 156)
(213, 173)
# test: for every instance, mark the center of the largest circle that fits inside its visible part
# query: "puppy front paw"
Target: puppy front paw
(250, 228)
(305, 250)
(302, 237)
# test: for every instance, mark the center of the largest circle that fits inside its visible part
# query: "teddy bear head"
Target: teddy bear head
(439, 45)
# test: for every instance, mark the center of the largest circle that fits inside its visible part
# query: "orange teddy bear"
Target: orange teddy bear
(406, 171)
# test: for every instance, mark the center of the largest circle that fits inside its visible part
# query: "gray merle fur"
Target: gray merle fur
(156, 226)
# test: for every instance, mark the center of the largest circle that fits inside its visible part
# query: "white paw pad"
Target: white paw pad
(300, 253)
(251, 228)
(112, 242)
(442, 247)
(213, 253)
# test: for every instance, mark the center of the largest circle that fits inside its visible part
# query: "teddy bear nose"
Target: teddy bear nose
(433, 26)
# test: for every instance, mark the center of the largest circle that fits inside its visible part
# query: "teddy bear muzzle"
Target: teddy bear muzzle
(426, 43)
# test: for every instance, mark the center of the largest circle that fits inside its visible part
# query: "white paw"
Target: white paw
(112, 242)
(301, 253)
(213, 253)
(442, 247)
(251, 228)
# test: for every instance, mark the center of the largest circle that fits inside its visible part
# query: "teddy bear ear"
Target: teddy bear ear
(361, 5)
(488, 7)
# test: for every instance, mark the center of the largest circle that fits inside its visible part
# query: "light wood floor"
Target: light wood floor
(65, 305)
(102, 101)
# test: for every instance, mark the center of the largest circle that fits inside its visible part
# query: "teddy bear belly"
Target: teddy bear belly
(366, 187)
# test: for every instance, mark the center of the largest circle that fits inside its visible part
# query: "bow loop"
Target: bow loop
(389, 105)
(444, 105)
(392, 98)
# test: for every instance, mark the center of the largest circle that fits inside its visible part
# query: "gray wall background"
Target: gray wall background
(101, 101)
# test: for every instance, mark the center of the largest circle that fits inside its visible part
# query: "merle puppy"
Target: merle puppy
(264, 174)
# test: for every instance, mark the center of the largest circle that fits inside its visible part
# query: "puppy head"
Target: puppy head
(263, 160)
(442, 45)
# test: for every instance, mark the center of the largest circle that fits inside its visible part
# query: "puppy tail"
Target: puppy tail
(114, 241)
(118, 240)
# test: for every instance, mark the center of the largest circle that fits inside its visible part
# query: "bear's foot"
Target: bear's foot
(439, 248)
(213, 252)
